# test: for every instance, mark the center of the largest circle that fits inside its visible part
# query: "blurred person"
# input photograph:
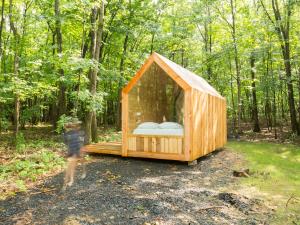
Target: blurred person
(74, 139)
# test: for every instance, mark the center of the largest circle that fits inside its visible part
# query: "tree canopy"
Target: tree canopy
(72, 58)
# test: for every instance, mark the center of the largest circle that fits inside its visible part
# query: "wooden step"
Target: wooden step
(114, 148)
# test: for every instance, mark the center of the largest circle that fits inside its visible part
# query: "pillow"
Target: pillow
(148, 125)
(170, 125)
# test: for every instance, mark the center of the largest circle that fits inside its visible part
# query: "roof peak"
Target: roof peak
(192, 79)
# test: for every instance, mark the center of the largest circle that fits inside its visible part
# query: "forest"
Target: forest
(62, 60)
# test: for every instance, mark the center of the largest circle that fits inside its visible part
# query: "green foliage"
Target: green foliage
(110, 135)
(4, 124)
(20, 142)
(195, 34)
(20, 185)
(61, 123)
(88, 101)
(31, 167)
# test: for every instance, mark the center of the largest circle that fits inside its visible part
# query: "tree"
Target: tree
(282, 29)
(62, 102)
(96, 41)
(256, 127)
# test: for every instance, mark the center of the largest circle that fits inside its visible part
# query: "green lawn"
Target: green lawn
(276, 174)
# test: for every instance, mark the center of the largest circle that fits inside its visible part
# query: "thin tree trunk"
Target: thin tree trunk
(274, 108)
(15, 69)
(236, 60)
(96, 40)
(299, 93)
(17, 97)
(1, 27)
(256, 127)
(119, 107)
(152, 42)
(119, 104)
(89, 114)
(232, 97)
(62, 101)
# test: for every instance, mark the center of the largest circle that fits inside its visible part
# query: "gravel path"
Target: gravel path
(140, 191)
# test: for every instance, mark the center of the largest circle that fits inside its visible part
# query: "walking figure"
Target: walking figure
(74, 139)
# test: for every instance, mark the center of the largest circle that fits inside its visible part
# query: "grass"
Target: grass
(109, 135)
(276, 173)
(38, 153)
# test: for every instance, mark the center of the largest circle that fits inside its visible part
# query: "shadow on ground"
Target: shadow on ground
(139, 191)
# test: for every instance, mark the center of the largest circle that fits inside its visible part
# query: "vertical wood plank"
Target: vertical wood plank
(187, 124)
(124, 123)
(153, 144)
(158, 145)
(145, 144)
(149, 144)
(175, 141)
(171, 145)
(134, 144)
(166, 145)
(179, 145)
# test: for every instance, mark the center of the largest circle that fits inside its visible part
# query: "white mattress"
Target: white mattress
(158, 131)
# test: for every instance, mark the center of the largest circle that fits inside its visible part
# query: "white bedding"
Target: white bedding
(159, 131)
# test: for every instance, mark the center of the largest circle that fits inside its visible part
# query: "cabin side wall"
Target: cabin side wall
(209, 130)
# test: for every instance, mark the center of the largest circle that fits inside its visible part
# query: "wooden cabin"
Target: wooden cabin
(168, 112)
(163, 92)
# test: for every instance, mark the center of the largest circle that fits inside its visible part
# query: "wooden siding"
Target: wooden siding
(209, 123)
(113, 148)
(156, 144)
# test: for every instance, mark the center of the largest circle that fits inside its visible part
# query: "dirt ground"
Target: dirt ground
(141, 191)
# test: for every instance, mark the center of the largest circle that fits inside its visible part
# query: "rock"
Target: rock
(244, 173)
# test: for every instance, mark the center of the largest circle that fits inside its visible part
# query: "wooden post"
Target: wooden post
(187, 124)
(124, 124)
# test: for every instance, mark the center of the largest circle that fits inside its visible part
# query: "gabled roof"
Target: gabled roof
(185, 78)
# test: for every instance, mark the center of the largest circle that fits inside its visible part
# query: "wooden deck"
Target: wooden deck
(114, 148)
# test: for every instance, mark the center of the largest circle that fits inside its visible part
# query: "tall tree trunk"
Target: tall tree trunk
(256, 127)
(1, 27)
(119, 111)
(123, 57)
(237, 67)
(232, 97)
(62, 101)
(96, 40)
(152, 42)
(299, 93)
(17, 97)
(53, 111)
(206, 35)
(284, 32)
(274, 108)
(15, 68)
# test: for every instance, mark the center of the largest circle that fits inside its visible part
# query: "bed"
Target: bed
(165, 128)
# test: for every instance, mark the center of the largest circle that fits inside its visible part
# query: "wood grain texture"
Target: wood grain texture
(209, 123)
(155, 144)
(114, 148)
